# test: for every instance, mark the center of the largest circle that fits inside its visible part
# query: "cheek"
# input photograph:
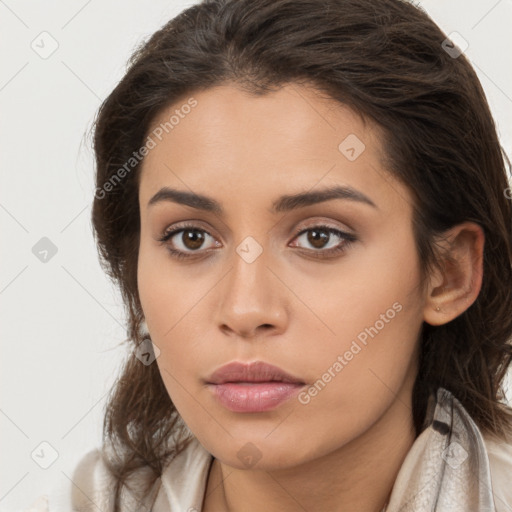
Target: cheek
(164, 292)
(376, 318)
(172, 302)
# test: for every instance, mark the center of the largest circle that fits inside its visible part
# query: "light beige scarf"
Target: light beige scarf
(447, 468)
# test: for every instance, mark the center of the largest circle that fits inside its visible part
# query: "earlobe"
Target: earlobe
(453, 288)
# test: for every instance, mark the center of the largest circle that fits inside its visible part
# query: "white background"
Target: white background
(62, 320)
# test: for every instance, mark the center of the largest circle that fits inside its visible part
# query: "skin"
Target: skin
(289, 307)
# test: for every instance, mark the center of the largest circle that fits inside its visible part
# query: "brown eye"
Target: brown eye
(184, 241)
(319, 237)
(192, 238)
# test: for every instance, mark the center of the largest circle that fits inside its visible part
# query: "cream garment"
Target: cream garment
(449, 468)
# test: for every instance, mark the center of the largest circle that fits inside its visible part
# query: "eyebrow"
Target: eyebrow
(284, 203)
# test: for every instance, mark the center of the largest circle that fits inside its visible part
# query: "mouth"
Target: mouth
(255, 387)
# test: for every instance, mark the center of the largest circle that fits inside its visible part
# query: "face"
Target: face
(324, 287)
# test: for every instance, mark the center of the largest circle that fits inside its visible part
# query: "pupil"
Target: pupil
(317, 238)
(193, 239)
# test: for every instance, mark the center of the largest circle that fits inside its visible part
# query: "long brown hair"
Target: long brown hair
(385, 59)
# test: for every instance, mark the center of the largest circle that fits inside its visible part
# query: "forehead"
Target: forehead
(294, 114)
(230, 139)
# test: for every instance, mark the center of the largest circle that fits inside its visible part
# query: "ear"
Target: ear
(453, 288)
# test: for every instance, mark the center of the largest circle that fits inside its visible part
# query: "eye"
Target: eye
(190, 241)
(323, 240)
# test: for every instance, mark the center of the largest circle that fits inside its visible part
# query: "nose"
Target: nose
(252, 300)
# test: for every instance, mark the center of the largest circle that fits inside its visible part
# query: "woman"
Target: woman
(304, 204)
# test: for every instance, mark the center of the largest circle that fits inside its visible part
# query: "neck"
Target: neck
(358, 477)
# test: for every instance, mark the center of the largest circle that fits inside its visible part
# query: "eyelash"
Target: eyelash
(348, 240)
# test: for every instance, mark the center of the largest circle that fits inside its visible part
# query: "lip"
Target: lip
(258, 371)
(252, 387)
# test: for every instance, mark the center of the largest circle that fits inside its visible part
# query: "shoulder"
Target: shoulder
(184, 480)
(88, 486)
(500, 462)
